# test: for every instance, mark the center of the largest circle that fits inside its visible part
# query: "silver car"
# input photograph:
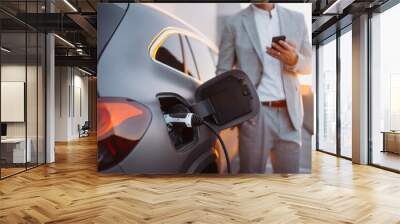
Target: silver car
(151, 64)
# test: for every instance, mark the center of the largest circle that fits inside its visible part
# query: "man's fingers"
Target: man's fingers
(278, 47)
(285, 45)
(293, 45)
(274, 53)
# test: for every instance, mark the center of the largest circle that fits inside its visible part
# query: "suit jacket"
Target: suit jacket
(240, 48)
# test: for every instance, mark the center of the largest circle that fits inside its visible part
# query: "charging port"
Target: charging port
(180, 135)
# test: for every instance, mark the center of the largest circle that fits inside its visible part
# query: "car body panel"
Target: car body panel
(126, 69)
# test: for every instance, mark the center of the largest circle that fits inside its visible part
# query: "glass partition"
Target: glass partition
(13, 94)
(346, 94)
(385, 89)
(327, 97)
(41, 96)
(22, 88)
(31, 99)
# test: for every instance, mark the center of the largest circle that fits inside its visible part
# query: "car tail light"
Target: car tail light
(121, 123)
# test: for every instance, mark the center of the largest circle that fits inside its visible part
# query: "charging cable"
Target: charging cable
(193, 120)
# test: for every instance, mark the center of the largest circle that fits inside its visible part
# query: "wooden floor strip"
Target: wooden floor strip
(71, 191)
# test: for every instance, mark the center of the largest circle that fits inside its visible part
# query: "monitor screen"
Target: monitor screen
(3, 129)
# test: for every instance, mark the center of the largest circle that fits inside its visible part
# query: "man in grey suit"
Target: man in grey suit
(246, 44)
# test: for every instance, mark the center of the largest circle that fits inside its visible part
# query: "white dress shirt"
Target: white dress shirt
(271, 86)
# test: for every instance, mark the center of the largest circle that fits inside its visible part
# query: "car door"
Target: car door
(203, 57)
(204, 64)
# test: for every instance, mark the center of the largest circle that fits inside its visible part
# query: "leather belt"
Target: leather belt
(278, 103)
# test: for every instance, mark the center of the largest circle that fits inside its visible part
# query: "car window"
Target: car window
(170, 53)
(203, 58)
(190, 65)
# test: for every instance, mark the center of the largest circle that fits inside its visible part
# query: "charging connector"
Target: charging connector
(193, 120)
(179, 118)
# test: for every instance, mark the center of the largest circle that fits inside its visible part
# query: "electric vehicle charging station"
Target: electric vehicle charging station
(222, 102)
(133, 134)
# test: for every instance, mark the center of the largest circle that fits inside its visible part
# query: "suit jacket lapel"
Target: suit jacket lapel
(251, 29)
(283, 28)
(282, 18)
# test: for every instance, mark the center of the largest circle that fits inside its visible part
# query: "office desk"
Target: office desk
(13, 150)
(391, 141)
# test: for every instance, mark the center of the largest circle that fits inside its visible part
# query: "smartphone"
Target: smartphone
(278, 38)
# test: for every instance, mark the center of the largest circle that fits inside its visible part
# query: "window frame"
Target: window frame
(210, 51)
(334, 37)
(186, 40)
(345, 30)
(165, 33)
(370, 151)
(180, 49)
(41, 37)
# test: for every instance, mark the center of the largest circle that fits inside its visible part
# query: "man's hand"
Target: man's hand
(284, 52)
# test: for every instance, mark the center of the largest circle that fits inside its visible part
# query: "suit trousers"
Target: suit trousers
(270, 133)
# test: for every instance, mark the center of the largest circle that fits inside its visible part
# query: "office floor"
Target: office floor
(387, 159)
(70, 191)
(8, 171)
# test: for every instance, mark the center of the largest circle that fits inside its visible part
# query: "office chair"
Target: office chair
(84, 130)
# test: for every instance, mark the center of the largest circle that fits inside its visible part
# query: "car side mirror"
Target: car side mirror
(227, 100)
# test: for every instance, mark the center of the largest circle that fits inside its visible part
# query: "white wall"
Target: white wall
(80, 103)
(33, 126)
(61, 105)
(71, 96)
(13, 100)
(16, 73)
